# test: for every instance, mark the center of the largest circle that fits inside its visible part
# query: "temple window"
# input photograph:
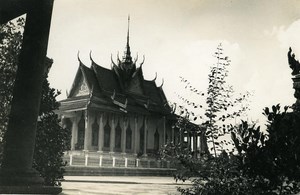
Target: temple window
(95, 133)
(81, 130)
(156, 140)
(118, 137)
(68, 123)
(128, 137)
(106, 134)
(142, 138)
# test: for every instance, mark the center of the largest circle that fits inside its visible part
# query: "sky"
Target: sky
(178, 38)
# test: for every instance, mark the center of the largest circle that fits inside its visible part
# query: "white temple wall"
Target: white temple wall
(100, 119)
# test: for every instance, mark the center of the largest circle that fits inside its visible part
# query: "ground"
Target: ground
(85, 185)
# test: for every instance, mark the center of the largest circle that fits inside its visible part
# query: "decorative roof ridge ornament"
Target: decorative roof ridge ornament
(294, 64)
(119, 61)
(114, 95)
(126, 102)
(147, 104)
(78, 58)
(141, 64)
(174, 108)
(91, 56)
(112, 61)
(162, 83)
(137, 57)
(92, 90)
(155, 77)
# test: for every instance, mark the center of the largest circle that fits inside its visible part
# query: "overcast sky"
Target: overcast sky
(178, 38)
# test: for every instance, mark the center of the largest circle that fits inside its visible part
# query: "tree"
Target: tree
(221, 105)
(10, 45)
(217, 173)
(51, 139)
(272, 158)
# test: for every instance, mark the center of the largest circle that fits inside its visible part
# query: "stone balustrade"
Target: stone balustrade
(94, 159)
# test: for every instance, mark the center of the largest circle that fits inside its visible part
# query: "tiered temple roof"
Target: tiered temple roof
(119, 89)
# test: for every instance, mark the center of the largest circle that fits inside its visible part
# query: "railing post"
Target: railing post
(137, 162)
(125, 162)
(114, 161)
(100, 161)
(86, 160)
(158, 163)
(71, 160)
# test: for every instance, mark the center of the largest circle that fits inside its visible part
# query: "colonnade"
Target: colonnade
(110, 132)
(195, 141)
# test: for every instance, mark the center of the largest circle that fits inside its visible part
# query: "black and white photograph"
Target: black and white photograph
(158, 97)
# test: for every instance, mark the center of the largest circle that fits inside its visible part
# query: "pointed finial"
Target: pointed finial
(78, 56)
(137, 57)
(113, 95)
(127, 54)
(119, 61)
(112, 61)
(128, 29)
(162, 83)
(126, 102)
(155, 76)
(91, 56)
(142, 61)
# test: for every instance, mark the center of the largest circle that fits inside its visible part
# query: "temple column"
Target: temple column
(87, 132)
(189, 140)
(17, 176)
(136, 138)
(123, 136)
(112, 134)
(180, 134)
(63, 121)
(145, 136)
(164, 130)
(75, 121)
(195, 138)
(101, 134)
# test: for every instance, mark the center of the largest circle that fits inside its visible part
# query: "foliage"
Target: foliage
(183, 158)
(265, 163)
(221, 175)
(283, 148)
(221, 106)
(218, 173)
(260, 162)
(274, 157)
(52, 140)
(10, 45)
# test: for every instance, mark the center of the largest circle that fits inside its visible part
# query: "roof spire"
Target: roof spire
(127, 57)
(128, 31)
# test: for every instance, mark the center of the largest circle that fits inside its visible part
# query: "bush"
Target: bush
(262, 163)
(51, 142)
(51, 139)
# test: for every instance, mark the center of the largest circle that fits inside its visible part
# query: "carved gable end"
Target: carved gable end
(82, 88)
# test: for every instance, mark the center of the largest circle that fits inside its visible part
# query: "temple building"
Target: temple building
(117, 111)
